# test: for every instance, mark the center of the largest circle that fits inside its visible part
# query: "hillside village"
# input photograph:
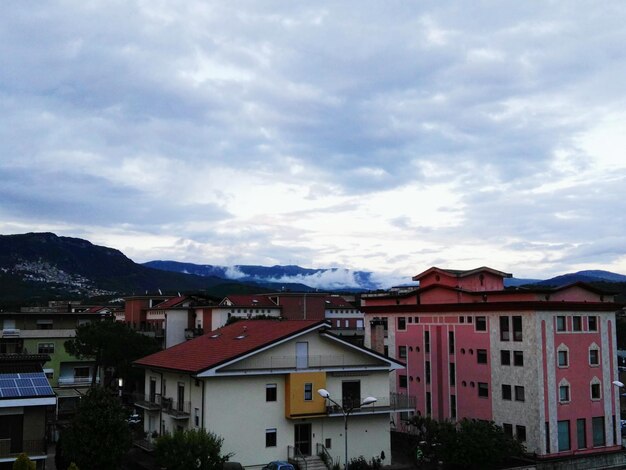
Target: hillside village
(541, 363)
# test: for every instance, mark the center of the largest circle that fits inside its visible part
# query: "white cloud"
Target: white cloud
(375, 137)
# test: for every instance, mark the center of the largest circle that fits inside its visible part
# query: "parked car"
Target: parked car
(134, 418)
(278, 465)
(232, 466)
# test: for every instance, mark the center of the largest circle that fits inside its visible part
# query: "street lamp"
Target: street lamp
(346, 410)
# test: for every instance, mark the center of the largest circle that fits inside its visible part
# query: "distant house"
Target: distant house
(540, 362)
(26, 404)
(255, 384)
(44, 330)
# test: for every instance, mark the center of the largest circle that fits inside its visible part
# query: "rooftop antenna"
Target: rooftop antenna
(160, 293)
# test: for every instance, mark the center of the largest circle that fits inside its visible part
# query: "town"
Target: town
(319, 379)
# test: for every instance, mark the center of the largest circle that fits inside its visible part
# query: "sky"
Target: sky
(379, 136)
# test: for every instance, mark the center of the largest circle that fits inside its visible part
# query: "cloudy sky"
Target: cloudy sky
(384, 136)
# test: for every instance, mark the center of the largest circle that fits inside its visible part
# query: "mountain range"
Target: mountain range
(36, 267)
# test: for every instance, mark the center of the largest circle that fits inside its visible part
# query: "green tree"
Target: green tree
(190, 449)
(111, 344)
(23, 463)
(470, 443)
(98, 436)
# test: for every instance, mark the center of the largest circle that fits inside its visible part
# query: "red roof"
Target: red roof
(249, 301)
(224, 344)
(461, 272)
(169, 303)
(337, 302)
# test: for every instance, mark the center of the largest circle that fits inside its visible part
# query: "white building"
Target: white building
(255, 384)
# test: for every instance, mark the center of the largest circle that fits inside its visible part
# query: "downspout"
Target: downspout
(203, 383)
(161, 430)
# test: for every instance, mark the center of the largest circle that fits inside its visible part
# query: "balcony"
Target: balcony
(176, 409)
(293, 362)
(65, 381)
(148, 402)
(395, 402)
(11, 449)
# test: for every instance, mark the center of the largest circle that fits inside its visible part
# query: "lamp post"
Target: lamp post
(346, 410)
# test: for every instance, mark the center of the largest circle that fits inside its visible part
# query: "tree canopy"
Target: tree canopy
(99, 436)
(190, 449)
(23, 463)
(110, 344)
(471, 443)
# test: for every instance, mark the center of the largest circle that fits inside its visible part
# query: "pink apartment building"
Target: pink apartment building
(539, 362)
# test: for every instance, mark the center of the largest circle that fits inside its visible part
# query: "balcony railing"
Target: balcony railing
(293, 362)
(9, 449)
(176, 409)
(76, 381)
(394, 402)
(148, 402)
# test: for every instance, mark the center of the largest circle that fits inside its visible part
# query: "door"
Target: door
(302, 438)
(152, 392)
(302, 355)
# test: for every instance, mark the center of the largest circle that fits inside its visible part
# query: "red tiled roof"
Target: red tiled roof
(169, 303)
(461, 272)
(250, 301)
(210, 350)
(337, 302)
(95, 309)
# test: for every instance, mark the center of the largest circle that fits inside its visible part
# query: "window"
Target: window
(594, 356)
(518, 358)
(401, 323)
(270, 392)
(450, 342)
(577, 323)
(402, 352)
(45, 348)
(427, 371)
(563, 360)
(453, 406)
(508, 429)
(564, 443)
(564, 393)
(592, 323)
(560, 323)
(581, 436)
(270, 437)
(469, 319)
(505, 358)
(44, 324)
(481, 323)
(597, 426)
(596, 394)
(328, 443)
(505, 334)
(429, 408)
(519, 393)
(196, 417)
(402, 381)
(517, 328)
(506, 392)
(481, 356)
(427, 341)
(520, 433)
(308, 391)
(81, 372)
(461, 319)
(452, 374)
(483, 390)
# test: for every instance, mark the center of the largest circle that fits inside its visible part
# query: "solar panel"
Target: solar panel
(27, 384)
(39, 382)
